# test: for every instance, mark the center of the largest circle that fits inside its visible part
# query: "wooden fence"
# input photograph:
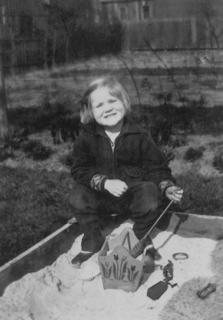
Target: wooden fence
(154, 34)
(23, 53)
(180, 33)
(29, 52)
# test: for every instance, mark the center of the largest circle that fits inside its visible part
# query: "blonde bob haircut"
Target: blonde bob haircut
(115, 89)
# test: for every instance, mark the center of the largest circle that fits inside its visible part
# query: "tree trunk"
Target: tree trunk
(45, 49)
(4, 130)
(67, 49)
(13, 49)
(54, 45)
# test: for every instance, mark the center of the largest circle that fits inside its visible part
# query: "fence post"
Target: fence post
(126, 37)
(193, 23)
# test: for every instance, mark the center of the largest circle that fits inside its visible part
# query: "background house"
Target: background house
(169, 24)
(127, 10)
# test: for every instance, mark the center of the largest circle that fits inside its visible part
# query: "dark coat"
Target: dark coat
(135, 156)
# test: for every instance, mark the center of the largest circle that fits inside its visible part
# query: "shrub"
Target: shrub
(5, 153)
(65, 127)
(202, 195)
(193, 154)
(67, 159)
(168, 152)
(36, 150)
(218, 161)
(178, 141)
(31, 119)
(88, 40)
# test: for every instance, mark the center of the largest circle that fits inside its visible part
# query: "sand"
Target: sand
(61, 292)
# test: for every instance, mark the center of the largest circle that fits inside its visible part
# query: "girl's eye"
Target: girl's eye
(112, 101)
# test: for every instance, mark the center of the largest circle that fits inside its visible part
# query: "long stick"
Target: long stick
(157, 220)
(142, 243)
(37, 245)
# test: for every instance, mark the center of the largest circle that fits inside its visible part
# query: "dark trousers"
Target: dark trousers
(141, 202)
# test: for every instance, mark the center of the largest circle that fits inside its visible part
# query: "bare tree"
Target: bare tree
(213, 24)
(58, 25)
(12, 45)
(64, 22)
(4, 129)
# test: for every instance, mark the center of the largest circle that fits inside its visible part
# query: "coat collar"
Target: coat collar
(129, 126)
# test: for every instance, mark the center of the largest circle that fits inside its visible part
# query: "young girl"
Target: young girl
(116, 167)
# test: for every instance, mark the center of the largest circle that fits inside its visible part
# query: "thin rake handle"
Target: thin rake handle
(157, 220)
(141, 244)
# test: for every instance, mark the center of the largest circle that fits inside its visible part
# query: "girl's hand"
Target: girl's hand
(174, 193)
(115, 186)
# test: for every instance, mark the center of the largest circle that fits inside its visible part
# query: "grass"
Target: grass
(202, 195)
(32, 205)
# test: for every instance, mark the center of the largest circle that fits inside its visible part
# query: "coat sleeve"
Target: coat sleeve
(83, 161)
(154, 162)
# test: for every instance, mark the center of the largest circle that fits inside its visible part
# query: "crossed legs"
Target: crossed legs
(142, 201)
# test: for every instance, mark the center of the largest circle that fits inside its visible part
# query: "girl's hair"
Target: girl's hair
(115, 89)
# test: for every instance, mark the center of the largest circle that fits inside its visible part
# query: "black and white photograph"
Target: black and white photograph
(111, 159)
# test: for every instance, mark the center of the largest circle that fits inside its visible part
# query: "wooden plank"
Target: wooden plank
(40, 255)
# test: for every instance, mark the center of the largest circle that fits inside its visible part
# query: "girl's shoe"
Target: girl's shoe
(92, 240)
(153, 253)
(80, 258)
(91, 243)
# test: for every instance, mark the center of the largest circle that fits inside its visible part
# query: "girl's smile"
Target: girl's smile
(107, 109)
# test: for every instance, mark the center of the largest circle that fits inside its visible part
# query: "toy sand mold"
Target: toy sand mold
(119, 269)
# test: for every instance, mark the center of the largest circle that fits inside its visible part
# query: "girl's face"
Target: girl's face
(108, 111)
